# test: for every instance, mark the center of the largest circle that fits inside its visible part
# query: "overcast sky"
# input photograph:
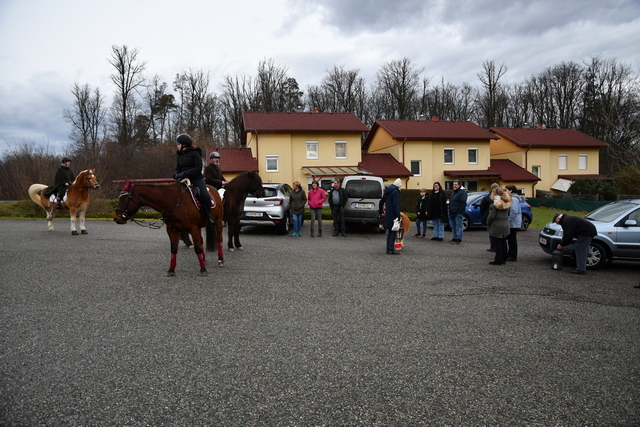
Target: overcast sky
(47, 46)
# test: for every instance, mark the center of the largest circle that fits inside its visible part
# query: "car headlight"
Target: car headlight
(560, 233)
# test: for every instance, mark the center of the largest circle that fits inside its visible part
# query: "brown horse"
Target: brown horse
(405, 226)
(77, 199)
(235, 193)
(179, 212)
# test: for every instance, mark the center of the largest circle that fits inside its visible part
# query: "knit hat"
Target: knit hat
(556, 216)
(398, 183)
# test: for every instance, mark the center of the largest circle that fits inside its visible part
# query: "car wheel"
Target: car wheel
(597, 256)
(465, 222)
(284, 225)
(525, 223)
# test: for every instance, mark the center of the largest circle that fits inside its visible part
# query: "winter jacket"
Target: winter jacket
(316, 198)
(343, 197)
(515, 213)
(213, 175)
(574, 226)
(190, 163)
(64, 176)
(437, 205)
(498, 219)
(391, 198)
(458, 202)
(422, 206)
(485, 204)
(297, 200)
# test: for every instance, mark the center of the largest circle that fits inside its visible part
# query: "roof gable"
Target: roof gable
(383, 165)
(548, 138)
(511, 172)
(233, 159)
(301, 122)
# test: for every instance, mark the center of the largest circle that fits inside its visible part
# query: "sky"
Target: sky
(48, 46)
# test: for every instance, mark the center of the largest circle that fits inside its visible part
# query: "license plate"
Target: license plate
(361, 205)
(253, 214)
(543, 241)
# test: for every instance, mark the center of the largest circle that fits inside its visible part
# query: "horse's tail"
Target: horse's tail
(212, 244)
(33, 193)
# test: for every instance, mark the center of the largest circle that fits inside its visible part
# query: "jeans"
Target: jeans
(297, 222)
(455, 222)
(438, 228)
(316, 213)
(422, 222)
(338, 219)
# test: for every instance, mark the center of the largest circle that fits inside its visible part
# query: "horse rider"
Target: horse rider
(213, 174)
(189, 165)
(64, 178)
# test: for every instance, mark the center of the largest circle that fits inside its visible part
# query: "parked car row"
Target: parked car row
(473, 217)
(618, 226)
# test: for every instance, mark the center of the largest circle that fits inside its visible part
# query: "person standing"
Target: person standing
(337, 201)
(457, 206)
(421, 213)
(437, 211)
(582, 230)
(317, 196)
(297, 200)
(515, 222)
(391, 198)
(498, 224)
(485, 204)
(213, 174)
(189, 165)
(64, 178)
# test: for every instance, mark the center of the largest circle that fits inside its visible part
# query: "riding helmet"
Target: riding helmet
(214, 155)
(184, 140)
(65, 159)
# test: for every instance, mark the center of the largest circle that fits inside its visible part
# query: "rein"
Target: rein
(152, 225)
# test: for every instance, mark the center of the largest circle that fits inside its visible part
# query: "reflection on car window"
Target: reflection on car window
(364, 189)
(608, 213)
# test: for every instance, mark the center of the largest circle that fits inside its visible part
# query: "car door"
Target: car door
(628, 236)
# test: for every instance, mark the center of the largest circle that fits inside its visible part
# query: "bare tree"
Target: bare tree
(493, 100)
(128, 77)
(87, 118)
(398, 84)
(238, 96)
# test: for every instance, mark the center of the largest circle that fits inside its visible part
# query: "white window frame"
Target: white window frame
(562, 162)
(453, 156)
(469, 152)
(419, 162)
(535, 169)
(582, 161)
(312, 150)
(272, 157)
(341, 143)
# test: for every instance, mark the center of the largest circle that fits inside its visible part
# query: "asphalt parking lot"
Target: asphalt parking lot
(309, 332)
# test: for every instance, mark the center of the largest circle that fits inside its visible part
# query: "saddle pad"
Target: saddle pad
(53, 199)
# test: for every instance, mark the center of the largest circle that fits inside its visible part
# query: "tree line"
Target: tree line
(133, 137)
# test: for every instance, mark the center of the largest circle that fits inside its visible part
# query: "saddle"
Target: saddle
(195, 194)
(54, 199)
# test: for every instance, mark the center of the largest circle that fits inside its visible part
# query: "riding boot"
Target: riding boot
(312, 235)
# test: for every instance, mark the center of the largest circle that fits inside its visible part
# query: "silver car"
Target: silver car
(618, 238)
(271, 210)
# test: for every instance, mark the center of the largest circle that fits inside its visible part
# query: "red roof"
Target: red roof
(511, 172)
(383, 165)
(234, 159)
(430, 130)
(584, 176)
(548, 138)
(478, 173)
(302, 122)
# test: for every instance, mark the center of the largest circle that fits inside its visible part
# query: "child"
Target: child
(421, 210)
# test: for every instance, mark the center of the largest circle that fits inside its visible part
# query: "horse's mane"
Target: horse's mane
(84, 172)
(241, 181)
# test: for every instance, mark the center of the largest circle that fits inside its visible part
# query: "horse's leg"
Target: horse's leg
(186, 239)
(230, 228)
(197, 243)
(236, 234)
(72, 215)
(48, 209)
(219, 227)
(174, 239)
(83, 212)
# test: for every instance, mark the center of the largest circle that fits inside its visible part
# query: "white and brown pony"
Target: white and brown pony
(76, 202)
(405, 226)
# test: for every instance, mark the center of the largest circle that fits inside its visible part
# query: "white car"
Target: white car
(272, 210)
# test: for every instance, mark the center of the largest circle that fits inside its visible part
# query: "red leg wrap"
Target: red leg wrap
(172, 264)
(203, 262)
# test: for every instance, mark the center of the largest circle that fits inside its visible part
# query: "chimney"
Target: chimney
(434, 118)
(540, 127)
(314, 111)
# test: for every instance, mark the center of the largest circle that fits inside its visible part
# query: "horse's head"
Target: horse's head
(92, 179)
(127, 205)
(255, 185)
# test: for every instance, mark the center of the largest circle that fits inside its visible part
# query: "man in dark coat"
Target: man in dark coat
(64, 178)
(213, 174)
(485, 204)
(391, 198)
(457, 206)
(581, 229)
(189, 165)
(337, 200)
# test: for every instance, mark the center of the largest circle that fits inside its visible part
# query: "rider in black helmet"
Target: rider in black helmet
(189, 165)
(64, 178)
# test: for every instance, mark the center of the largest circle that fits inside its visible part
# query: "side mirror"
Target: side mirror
(630, 223)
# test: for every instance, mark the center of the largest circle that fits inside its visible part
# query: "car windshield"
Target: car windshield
(608, 213)
(364, 189)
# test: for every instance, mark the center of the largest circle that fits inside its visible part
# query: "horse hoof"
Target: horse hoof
(83, 232)
(74, 233)
(204, 273)
(220, 263)
(171, 273)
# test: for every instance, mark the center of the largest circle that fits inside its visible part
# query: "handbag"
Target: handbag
(396, 225)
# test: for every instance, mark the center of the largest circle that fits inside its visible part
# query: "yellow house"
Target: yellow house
(442, 151)
(304, 146)
(556, 156)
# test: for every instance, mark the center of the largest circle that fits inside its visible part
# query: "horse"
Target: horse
(180, 214)
(77, 199)
(405, 226)
(235, 193)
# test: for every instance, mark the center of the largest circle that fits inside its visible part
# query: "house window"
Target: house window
(473, 156)
(312, 149)
(535, 170)
(272, 163)
(562, 162)
(448, 156)
(416, 168)
(582, 161)
(341, 149)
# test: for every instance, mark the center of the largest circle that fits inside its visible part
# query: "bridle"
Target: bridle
(124, 213)
(95, 186)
